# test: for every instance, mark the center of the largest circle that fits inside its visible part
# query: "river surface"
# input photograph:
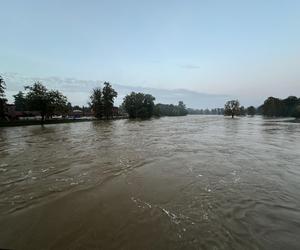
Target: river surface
(195, 182)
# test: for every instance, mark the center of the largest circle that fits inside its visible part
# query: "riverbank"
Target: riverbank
(53, 121)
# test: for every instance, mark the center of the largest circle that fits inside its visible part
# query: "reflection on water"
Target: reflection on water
(191, 182)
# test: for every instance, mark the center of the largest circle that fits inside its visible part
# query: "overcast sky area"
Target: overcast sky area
(243, 49)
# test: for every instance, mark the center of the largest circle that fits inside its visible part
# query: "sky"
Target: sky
(245, 49)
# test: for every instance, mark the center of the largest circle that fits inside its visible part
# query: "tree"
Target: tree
(2, 97)
(278, 107)
(232, 108)
(20, 101)
(58, 104)
(170, 109)
(242, 111)
(46, 102)
(109, 94)
(273, 107)
(251, 111)
(96, 102)
(139, 105)
(69, 107)
(296, 112)
(182, 108)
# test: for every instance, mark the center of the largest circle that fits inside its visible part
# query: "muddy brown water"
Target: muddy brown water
(195, 182)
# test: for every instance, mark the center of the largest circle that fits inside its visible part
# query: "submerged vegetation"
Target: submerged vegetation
(289, 107)
(232, 108)
(139, 105)
(170, 109)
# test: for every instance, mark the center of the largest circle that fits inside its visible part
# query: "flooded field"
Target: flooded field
(195, 182)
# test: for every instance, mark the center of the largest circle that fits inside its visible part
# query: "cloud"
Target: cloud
(78, 91)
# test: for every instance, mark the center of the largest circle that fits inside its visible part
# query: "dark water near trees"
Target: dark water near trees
(196, 182)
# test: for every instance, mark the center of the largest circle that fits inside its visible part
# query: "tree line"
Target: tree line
(216, 111)
(272, 107)
(136, 105)
(289, 107)
(231, 108)
(52, 102)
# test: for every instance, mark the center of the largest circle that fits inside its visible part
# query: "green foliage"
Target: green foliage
(2, 97)
(2, 87)
(273, 107)
(251, 111)
(296, 112)
(109, 94)
(102, 101)
(58, 103)
(139, 105)
(242, 111)
(97, 103)
(232, 108)
(170, 109)
(48, 103)
(69, 107)
(20, 101)
(277, 107)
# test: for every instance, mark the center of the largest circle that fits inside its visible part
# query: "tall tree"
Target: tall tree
(242, 111)
(139, 105)
(273, 107)
(46, 102)
(251, 111)
(182, 108)
(2, 97)
(232, 108)
(97, 102)
(20, 101)
(109, 95)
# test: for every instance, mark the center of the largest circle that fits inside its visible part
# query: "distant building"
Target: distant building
(10, 111)
(77, 113)
(115, 111)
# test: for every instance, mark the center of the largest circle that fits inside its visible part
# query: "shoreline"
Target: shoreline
(54, 121)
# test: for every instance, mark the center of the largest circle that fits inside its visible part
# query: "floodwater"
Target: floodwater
(195, 182)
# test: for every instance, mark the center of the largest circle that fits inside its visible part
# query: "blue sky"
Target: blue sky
(247, 49)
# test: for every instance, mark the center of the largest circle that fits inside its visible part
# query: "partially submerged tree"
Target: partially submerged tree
(232, 108)
(242, 111)
(48, 103)
(273, 107)
(2, 97)
(296, 112)
(170, 109)
(139, 105)
(281, 107)
(251, 111)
